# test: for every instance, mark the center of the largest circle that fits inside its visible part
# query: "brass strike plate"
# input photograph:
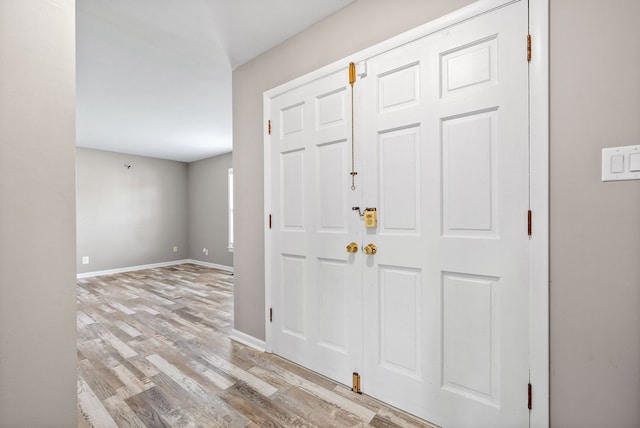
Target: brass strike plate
(371, 217)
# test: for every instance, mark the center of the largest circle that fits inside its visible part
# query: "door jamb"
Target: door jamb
(266, 131)
(539, 159)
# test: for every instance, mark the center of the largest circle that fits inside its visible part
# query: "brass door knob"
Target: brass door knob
(370, 249)
(352, 248)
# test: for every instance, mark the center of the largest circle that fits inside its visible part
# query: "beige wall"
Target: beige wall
(209, 210)
(37, 214)
(129, 216)
(595, 232)
(354, 28)
(595, 226)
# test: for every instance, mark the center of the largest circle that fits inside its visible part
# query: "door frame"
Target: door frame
(539, 173)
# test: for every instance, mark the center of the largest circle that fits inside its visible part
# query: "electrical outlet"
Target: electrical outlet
(205, 251)
(175, 248)
(85, 260)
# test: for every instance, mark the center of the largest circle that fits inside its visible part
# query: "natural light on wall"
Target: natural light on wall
(230, 247)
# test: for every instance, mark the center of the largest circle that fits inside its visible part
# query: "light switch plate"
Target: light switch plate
(621, 163)
(634, 162)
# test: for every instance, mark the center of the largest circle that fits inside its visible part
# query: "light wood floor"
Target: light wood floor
(154, 351)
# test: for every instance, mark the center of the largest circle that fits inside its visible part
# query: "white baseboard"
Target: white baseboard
(250, 341)
(211, 265)
(152, 266)
(131, 268)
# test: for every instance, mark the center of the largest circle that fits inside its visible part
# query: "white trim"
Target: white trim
(266, 108)
(152, 266)
(539, 138)
(130, 268)
(245, 339)
(211, 265)
(230, 205)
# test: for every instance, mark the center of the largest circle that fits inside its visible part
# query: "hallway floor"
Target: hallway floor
(154, 351)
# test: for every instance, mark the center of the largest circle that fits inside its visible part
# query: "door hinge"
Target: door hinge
(269, 126)
(529, 223)
(528, 47)
(529, 396)
(270, 314)
(356, 383)
(269, 221)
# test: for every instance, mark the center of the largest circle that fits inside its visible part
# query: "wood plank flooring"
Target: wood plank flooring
(154, 351)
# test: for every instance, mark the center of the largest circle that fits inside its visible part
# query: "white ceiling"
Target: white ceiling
(154, 76)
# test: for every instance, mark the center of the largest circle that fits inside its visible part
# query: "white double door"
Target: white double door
(436, 322)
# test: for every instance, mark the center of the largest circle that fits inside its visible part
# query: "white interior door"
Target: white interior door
(446, 309)
(315, 321)
(437, 320)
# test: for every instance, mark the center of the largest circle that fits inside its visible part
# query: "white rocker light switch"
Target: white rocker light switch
(634, 162)
(621, 163)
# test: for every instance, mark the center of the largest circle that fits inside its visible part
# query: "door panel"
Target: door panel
(400, 320)
(399, 88)
(400, 181)
(470, 67)
(293, 190)
(314, 322)
(332, 302)
(470, 365)
(293, 296)
(449, 178)
(397, 312)
(331, 168)
(470, 175)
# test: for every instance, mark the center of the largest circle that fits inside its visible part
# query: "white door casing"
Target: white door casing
(438, 320)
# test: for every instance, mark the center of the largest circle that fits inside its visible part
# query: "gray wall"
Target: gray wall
(208, 210)
(135, 216)
(129, 217)
(37, 214)
(354, 28)
(595, 226)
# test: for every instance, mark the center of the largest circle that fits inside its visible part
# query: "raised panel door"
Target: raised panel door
(447, 167)
(316, 281)
(437, 320)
